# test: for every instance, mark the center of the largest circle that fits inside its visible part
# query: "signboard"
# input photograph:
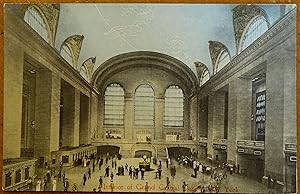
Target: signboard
(260, 115)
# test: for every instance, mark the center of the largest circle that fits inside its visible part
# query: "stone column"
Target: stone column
(93, 116)
(280, 109)
(159, 116)
(203, 119)
(84, 119)
(194, 117)
(210, 150)
(129, 117)
(12, 96)
(100, 117)
(239, 115)
(71, 114)
(47, 113)
(218, 116)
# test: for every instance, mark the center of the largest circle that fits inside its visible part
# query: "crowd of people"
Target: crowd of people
(111, 169)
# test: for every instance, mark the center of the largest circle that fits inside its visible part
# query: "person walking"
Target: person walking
(167, 184)
(159, 173)
(84, 179)
(66, 185)
(167, 163)
(54, 184)
(38, 185)
(184, 187)
(100, 183)
(112, 176)
(107, 171)
(142, 173)
(146, 187)
(89, 173)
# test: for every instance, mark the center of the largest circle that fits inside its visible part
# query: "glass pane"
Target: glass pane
(33, 18)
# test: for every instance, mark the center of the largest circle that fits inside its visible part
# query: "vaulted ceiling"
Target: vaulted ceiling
(179, 30)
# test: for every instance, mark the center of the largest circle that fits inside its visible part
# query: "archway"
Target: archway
(175, 152)
(112, 150)
(141, 153)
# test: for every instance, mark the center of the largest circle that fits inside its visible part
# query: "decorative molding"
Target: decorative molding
(89, 65)
(242, 15)
(215, 49)
(50, 12)
(74, 42)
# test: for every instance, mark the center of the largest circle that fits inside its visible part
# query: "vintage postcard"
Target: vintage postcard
(184, 98)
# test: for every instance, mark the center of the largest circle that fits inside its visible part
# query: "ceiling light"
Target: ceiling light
(32, 71)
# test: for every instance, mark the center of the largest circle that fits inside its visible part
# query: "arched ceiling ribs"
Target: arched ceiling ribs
(89, 66)
(215, 49)
(74, 42)
(201, 68)
(50, 12)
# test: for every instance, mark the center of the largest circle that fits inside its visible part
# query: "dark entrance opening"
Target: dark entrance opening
(112, 150)
(141, 153)
(175, 152)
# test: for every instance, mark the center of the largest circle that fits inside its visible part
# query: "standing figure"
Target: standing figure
(167, 184)
(54, 184)
(84, 179)
(89, 173)
(100, 183)
(38, 185)
(66, 185)
(146, 187)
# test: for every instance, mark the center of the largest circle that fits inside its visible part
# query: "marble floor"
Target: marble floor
(232, 184)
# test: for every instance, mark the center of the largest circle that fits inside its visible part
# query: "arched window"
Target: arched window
(204, 77)
(256, 28)
(65, 52)
(223, 59)
(114, 105)
(35, 20)
(144, 106)
(173, 116)
(83, 72)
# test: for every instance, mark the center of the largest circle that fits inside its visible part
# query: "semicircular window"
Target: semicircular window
(223, 59)
(34, 19)
(256, 28)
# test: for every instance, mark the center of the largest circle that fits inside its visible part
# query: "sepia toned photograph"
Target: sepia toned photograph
(158, 98)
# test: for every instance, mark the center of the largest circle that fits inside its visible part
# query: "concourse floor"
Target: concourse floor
(232, 184)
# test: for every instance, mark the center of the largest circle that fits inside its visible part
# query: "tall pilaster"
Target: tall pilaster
(239, 115)
(71, 115)
(159, 116)
(47, 113)
(129, 115)
(12, 107)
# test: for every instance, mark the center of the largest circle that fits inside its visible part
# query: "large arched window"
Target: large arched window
(144, 106)
(114, 105)
(65, 52)
(173, 116)
(255, 29)
(223, 59)
(204, 77)
(34, 18)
